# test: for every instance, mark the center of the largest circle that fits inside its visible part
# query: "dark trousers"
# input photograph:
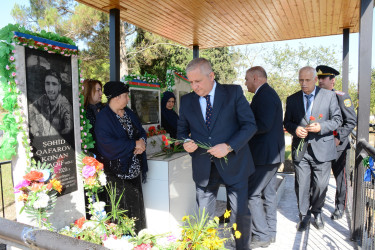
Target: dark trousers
(311, 175)
(131, 199)
(339, 171)
(237, 194)
(262, 201)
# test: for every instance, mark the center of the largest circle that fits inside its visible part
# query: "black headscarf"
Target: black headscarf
(168, 116)
(115, 88)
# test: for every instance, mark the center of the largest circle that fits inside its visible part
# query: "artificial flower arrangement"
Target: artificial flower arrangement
(115, 230)
(93, 176)
(38, 191)
(103, 228)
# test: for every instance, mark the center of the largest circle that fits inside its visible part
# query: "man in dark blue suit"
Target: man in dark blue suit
(268, 150)
(218, 115)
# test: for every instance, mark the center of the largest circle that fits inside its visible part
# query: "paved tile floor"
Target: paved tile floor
(335, 235)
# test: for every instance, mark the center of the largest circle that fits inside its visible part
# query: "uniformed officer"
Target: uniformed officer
(326, 77)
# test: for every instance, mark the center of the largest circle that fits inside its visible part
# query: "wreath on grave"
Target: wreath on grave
(171, 73)
(14, 121)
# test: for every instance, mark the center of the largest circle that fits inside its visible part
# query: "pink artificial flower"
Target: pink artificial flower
(21, 184)
(143, 247)
(16, 81)
(13, 74)
(11, 58)
(62, 53)
(45, 48)
(81, 116)
(7, 67)
(85, 134)
(85, 146)
(57, 167)
(81, 128)
(88, 171)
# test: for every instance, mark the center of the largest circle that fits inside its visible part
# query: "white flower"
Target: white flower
(102, 179)
(98, 206)
(42, 201)
(89, 224)
(118, 244)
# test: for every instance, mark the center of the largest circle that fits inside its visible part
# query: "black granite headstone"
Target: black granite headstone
(51, 123)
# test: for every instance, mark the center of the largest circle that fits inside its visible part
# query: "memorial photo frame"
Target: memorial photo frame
(30, 57)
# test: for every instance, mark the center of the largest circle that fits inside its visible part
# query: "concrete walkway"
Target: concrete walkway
(335, 235)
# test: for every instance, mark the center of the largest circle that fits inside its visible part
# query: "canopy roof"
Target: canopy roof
(221, 23)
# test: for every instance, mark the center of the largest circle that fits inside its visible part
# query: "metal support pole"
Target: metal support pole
(345, 61)
(195, 51)
(364, 82)
(114, 45)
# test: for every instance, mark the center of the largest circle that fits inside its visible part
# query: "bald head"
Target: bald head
(255, 77)
(307, 79)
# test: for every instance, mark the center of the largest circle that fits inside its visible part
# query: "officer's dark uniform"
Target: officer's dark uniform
(349, 122)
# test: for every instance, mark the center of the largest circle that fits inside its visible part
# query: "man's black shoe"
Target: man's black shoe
(337, 214)
(319, 223)
(223, 220)
(256, 243)
(303, 223)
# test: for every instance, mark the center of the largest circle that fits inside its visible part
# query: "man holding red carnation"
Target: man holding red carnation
(312, 161)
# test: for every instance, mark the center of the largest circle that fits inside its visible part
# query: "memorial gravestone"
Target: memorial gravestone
(48, 85)
(144, 94)
(179, 84)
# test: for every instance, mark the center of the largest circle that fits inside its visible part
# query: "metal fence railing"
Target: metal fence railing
(361, 194)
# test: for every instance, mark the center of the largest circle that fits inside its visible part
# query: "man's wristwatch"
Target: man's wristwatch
(230, 149)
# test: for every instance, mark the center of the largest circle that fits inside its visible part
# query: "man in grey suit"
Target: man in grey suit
(311, 116)
(268, 150)
(218, 115)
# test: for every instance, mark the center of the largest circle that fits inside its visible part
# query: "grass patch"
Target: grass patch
(7, 182)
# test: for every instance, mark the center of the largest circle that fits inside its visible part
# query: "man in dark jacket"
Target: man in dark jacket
(268, 150)
(326, 77)
(218, 115)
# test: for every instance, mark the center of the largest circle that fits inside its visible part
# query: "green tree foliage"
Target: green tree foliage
(76, 21)
(155, 54)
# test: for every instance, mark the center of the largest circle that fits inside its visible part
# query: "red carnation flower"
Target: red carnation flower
(335, 133)
(320, 116)
(312, 118)
(164, 138)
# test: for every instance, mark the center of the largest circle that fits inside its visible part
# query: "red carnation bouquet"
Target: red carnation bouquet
(302, 141)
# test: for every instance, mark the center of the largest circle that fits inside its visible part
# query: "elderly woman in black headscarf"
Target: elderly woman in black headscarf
(168, 116)
(121, 142)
